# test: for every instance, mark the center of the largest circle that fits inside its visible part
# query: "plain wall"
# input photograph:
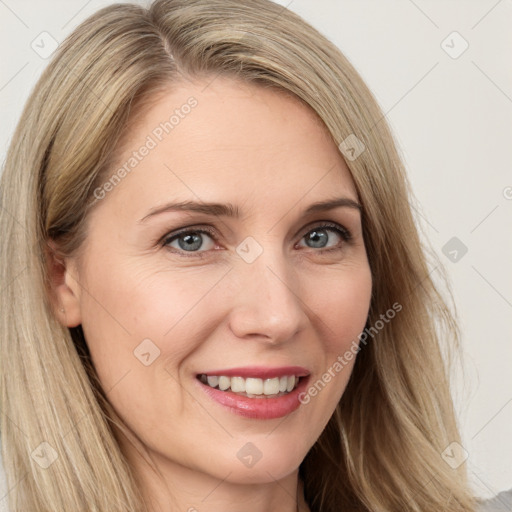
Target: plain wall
(452, 118)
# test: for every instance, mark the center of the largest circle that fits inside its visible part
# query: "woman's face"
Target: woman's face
(261, 289)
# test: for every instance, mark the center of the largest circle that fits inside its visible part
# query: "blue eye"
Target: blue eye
(191, 240)
(319, 237)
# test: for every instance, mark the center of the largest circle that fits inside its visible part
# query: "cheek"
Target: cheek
(143, 321)
(137, 300)
(342, 304)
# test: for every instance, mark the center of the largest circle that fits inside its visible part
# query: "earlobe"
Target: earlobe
(64, 287)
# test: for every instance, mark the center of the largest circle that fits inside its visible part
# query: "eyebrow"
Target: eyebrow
(230, 210)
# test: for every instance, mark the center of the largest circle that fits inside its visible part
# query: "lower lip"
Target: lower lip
(258, 408)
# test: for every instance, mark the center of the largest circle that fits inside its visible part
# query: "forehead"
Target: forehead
(226, 140)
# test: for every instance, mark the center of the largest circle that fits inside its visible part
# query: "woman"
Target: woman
(216, 297)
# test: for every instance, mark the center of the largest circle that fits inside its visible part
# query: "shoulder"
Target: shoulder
(500, 503)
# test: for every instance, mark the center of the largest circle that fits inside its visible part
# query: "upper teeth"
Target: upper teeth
(252, 386)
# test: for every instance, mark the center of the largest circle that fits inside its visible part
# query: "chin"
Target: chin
(251, 466)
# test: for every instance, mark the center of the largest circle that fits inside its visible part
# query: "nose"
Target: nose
(266, 300)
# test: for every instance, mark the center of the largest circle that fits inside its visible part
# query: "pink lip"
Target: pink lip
(257, 408)
(260, 372)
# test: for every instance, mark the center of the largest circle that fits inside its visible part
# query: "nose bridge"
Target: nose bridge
(268, 301)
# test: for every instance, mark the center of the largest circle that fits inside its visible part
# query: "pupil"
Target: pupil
(190, 241)
(316, 236)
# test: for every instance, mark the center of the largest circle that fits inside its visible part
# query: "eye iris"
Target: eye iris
(192, 241)
(318, 234)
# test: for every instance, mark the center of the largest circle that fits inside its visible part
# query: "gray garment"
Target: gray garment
(500, 503)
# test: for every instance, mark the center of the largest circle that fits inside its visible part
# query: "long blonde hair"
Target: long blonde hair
(382, 448)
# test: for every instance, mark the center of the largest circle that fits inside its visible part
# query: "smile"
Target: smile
(252, 387)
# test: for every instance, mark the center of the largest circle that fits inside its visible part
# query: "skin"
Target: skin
(268, 154)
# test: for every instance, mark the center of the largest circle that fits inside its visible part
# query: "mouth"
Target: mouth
(253, 387)
(256, 392)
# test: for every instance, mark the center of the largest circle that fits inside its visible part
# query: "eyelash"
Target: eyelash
(170, 237)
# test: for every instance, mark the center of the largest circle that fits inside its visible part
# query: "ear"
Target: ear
(64, 286)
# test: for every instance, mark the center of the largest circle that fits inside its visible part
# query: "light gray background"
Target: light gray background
(452, 120)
